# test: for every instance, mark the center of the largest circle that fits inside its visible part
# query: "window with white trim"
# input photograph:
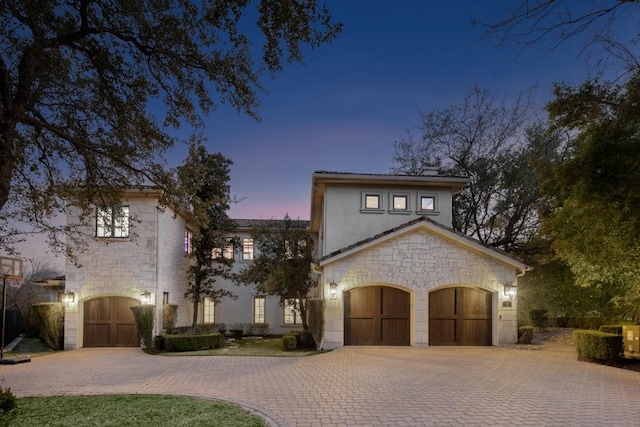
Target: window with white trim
(259, 304)
(208, 310)
(112, 222)
(188, 236)
(247, 248)
(291, 315)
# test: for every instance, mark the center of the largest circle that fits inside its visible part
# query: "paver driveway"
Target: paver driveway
(364, 386)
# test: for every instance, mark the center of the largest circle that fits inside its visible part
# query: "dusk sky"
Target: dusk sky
(344, 109)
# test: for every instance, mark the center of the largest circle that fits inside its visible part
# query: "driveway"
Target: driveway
(361, 386)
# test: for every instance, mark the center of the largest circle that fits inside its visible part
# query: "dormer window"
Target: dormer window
(371, 201)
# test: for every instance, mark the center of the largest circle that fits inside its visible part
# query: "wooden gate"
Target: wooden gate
(377, 315)
(109, 322)
(460, 316)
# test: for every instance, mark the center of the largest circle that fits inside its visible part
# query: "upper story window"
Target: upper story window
(112, 222)
(247, 248)
(371, 201)
(399, 202)
(188, 248)
(208, 310)
(226, 252)
(427, 203)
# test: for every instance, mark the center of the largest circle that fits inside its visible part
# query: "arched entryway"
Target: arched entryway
(109, 322)
(460, 316)
(377, 315)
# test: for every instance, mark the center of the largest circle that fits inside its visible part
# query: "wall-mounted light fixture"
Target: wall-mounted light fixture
(145, 298)
(510, 291)
(333, 290)
(68, 298)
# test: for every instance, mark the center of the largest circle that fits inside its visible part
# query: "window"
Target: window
(208, 310)
(247, 248)
(112, 222)
(427, 203)
(226, 252)
(258, 309)
(371, 201)
(399, 202)
(291, 315)
(165, 298)
(187, 241)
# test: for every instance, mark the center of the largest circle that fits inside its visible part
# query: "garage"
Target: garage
(109, 322)
(460, 316)
(377, 315)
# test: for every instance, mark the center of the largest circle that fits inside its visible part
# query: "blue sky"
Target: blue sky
(343, 109)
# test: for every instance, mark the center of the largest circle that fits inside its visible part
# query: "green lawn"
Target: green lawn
(126, 410)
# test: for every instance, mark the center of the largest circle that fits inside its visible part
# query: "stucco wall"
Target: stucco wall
(419, 261)
(344, 223)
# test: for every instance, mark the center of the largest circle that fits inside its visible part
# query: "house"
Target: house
(391, 269)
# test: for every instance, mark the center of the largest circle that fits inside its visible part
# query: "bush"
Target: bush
(236, 333)
(525, 334)
(315, 309)
(611, 329)
(169, 316)
(179, 343)
(49, 317)
(306, 340)
(259, 329)
(592, 345)
(143, 315)
(289, 342)
(7, 400)
(539, 318)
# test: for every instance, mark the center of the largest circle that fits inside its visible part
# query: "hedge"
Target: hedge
(178, 343)
(593, 345)
(611, 329)
(525, 334)
(289, 342)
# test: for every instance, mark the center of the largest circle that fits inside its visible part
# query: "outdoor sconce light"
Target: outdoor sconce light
(510, 291)
(333, 290)
(145, 297)
(68, 298)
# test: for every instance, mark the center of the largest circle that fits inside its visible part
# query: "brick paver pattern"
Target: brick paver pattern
(361, 386)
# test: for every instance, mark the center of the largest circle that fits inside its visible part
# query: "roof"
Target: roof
(442, 230)
(321, 179)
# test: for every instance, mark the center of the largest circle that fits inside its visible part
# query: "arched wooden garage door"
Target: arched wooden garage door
(377, 315)
(109, 322)
(460, 316)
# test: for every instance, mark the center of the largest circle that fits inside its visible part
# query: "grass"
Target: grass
(249, 346)
(127, 410)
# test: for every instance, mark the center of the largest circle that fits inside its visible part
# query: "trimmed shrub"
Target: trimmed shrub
(143, 315)
(169, 316)
(237, 333)
(259, 329)
(593, 345)
(539, 318)
(296, 334)
(525, 334)
(315, 310)
(49, 317)
(289, 342)
(306, 340)
(179, 343)
(611, 329)
(7, 400)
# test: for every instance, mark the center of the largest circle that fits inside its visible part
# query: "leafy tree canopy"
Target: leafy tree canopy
(282, 266)
(594, 197)
(91, 89)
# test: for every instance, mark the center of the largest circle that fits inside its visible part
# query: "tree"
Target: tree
(91, 90)
(594, 199)
(204, 181)
(282, 264)
(603, 23)
(495, 145)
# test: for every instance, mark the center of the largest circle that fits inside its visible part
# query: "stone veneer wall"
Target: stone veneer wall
(419, 262)
(125, 267)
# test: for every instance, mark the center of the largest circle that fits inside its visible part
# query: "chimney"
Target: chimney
(427, 170)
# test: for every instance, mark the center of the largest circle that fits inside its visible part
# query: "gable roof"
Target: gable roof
(436, 228)
(321, 179)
